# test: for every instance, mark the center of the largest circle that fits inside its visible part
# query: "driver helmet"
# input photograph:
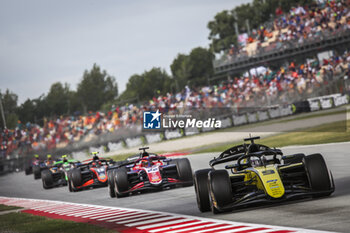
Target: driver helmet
(255, 161)
(144, 163)
(145, 154)
(64, 158)
(95, 156)
(49, 157)
(96, 163)
(36, 156)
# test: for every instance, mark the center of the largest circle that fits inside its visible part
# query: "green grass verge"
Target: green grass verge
(6, 207)
(121, 156)
(301, 116)
(327, 133)
(22, 222)
(321, 114)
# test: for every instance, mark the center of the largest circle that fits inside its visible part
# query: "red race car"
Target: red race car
(148, 171)
(91, 173)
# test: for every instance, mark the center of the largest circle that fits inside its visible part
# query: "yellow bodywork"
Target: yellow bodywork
(266, 179)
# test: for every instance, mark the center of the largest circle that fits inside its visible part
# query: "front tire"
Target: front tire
(37, 172)
(318, 174)
(77, 179)
(220, 190)
(121, 183)
(28, 170)
(47, 179)
(111, 181)
(184, 171)
(69, 181)
(201, 188)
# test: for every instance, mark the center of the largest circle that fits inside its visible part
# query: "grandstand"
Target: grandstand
(302, 32)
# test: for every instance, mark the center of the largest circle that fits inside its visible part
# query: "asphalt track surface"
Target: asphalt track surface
(329, 214)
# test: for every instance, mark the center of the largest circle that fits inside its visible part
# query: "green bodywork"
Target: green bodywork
(66, 165)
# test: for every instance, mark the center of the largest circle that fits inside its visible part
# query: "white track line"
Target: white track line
(136, 215)
(160, 219)
(99, 214)
(131, 218)
(218, 229)
(177, 226)
(109, 214)
(164, 224)
(243, 229)
(126, 213)
(94, 211)
(143, 218)
(189, 229)
(47, 207)
(64, 210)
(78, 212)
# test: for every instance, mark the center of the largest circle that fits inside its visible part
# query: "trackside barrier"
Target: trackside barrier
(239, 119)
(252, 117)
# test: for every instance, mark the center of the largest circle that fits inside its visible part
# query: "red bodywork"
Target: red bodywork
(152, 169)
(99, 173)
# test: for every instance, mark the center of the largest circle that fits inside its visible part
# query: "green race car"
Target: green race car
(57, 174)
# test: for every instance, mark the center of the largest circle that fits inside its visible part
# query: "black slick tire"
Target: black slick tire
(47, 179)
(220, 190)
(201, 188)
(318, 175)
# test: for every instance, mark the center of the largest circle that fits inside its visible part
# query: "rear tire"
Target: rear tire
(184, 171)
(47, 179)
(201, 188)
(28, 170)
(37, 172)
(111, 189)
(76, 177)
(318, 174)
(121, 183)
(220, 190)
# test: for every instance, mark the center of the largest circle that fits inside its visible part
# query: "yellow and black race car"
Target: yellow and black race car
(255, 173)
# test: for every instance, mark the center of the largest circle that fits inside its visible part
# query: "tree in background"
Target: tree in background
(96, 88)
(147, 85)
(58, 99)
(222, 30)
(181, 69)
(201, 60)
(26, 111)
(193, 69)
(34, 111)
(9, 104)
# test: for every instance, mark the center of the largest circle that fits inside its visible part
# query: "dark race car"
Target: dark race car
(57, 174)
(37, 166)
(91, 173)
(148, 171)
(256, 174)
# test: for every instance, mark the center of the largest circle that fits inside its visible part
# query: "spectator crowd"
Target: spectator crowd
(301, 24)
